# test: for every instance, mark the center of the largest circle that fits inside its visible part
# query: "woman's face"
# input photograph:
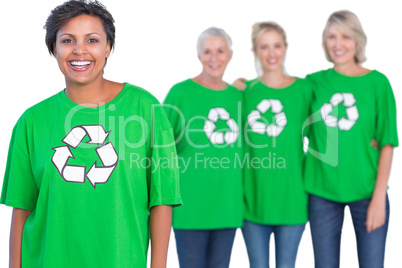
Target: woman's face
(214, 56)
(81, 49)
(341, 47)
(271, 50)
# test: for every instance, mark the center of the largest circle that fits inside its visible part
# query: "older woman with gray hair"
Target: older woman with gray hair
(206, 120)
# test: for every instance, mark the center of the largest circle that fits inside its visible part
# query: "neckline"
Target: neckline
(102, 107)
(210, 89)
(279, 88)
(352, 76)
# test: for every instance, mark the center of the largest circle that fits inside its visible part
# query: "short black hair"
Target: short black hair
(74, 8)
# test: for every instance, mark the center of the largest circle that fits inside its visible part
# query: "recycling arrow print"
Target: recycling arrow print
(273, 129)
(106, 152)
(219, 137)
(108, 156)
(96, 134)
(345, 123)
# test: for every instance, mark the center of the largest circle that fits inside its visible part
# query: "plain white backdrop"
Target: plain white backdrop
(155, 48)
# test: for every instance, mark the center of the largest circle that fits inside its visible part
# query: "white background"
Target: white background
(155, 48)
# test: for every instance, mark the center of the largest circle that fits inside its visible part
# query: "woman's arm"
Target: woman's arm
(376, 210)
(17, 225)
(160, 225)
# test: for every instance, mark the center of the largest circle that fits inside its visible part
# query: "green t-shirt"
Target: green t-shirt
(207, 127)
(273, 184)
(349, 112)
(90, 176)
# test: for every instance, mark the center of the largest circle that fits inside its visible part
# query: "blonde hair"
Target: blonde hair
(258, 29)
(348, 23)
(261, 27)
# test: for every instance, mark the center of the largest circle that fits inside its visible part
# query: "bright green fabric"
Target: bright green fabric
(89, 224)
(274, 192)
(341, 164)
(210, 174)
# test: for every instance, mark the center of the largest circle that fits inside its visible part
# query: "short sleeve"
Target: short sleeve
(19, 187)
(173, 113)
(164, 178)
(386, 125)
(311, 117)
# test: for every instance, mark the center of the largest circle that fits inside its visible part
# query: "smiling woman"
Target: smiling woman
(359, 177)
(276, 106)
(81, 50)
(61, 190)
(205, 227)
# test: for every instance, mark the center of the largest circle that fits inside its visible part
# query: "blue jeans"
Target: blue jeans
(287, 240)
(326, 220)
(204, 248)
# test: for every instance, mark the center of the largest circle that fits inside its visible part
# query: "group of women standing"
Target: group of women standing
(80, 201)
(348, 114)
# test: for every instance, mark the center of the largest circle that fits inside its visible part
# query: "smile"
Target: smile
(339, 52)
(80, 65)
(214, 66)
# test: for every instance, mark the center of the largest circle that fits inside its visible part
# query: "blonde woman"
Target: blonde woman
(276, 105)
(353, 106)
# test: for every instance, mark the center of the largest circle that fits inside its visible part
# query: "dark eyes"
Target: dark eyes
(69, 41)
(66, 41)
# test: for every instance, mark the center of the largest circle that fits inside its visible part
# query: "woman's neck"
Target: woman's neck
(351, 69)
(276, 79)
(94, 94)
(210, 82)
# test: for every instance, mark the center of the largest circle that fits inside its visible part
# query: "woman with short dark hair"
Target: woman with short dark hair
(79, 198)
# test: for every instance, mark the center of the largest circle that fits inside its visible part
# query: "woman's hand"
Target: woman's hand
(239, 83)
(376, 210)
(375, 214)
(374, 144)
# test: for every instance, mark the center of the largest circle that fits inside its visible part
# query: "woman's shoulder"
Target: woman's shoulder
(45, 104)
(318, 74)
(182, 86)
(140, 94)
(378, 75)
(251, 84)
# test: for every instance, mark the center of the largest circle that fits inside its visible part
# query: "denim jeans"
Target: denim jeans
(326, 220)
(204, 248)
(287, 240)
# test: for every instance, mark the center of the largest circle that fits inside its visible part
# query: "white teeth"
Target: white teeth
(340, 52)
(272, 61)
(80, 63)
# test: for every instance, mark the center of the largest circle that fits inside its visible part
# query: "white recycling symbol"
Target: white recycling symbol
(106, 152)
(351, 111)
(219, 137)
(273, 129)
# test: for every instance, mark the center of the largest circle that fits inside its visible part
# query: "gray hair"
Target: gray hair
(213, 31)
(348, 23)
